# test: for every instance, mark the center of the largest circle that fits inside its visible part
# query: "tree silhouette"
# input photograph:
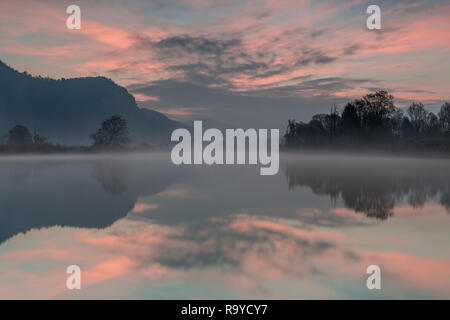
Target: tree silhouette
(112, 134)
(418, 116)
(444, 117)
(326, 122)
(375, 120)
(375, 109)
(38, 138)
(432, 125)
(19, 135)
(407, 129)
(350, 121)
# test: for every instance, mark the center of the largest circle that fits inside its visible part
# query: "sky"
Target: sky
(243, 63)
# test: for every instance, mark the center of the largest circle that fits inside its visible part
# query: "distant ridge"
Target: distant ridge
(69, 110)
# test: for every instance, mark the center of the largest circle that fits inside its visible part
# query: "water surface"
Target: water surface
(140, 227)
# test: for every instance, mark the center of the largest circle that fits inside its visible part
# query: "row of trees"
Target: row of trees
(19, 135)
(113, 134)
(373, 118)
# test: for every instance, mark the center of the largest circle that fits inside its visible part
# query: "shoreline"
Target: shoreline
(365, 153)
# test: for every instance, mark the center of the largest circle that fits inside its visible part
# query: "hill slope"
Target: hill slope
(69, 110)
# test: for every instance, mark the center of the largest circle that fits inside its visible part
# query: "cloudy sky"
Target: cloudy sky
(245, 63)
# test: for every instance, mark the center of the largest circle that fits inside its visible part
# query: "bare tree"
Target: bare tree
(38, 138)
(444, 116)
(418, 115)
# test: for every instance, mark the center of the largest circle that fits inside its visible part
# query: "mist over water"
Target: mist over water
(141, 227)
(373, 185)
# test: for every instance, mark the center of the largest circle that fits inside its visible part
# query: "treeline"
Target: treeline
(373, 122)
(113, 134)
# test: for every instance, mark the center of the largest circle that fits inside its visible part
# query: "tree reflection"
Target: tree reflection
(373, 188)
(112, 175)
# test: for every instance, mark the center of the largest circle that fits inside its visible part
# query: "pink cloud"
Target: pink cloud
(271, 258)
(175, 193)
(108, 270)
(272, 33)
(141, 207)
(31, 254)
(111, 36)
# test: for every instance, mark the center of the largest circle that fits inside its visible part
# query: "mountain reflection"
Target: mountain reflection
(83, 192)
(373, 186)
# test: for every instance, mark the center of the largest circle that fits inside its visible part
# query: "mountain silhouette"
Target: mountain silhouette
(69, 110)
